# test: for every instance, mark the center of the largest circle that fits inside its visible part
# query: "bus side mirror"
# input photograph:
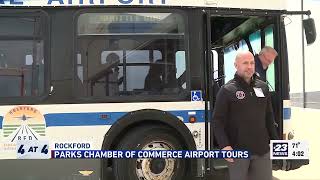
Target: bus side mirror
(310, 30)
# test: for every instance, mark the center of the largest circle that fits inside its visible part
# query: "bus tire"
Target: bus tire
(155, 137)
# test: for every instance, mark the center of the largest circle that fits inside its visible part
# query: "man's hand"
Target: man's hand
(228, 148)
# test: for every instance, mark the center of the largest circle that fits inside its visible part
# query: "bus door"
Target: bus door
(241, 30)
(233, 31)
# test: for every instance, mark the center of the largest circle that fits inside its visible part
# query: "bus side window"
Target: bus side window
(216, 79)
(21, 57)
(145, 41)
(255, 42)
(269, 41)
(181, 69)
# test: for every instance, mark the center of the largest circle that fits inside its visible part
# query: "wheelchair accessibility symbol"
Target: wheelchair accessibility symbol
(196, 95)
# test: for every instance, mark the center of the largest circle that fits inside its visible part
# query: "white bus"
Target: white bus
(127, 75)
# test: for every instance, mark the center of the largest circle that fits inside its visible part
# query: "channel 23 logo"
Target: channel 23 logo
(280, 149)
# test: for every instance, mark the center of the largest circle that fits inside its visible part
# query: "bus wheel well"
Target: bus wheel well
(145, 123)
(150, 137)
(145, 118)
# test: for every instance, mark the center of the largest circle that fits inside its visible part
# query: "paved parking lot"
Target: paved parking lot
(306, 123)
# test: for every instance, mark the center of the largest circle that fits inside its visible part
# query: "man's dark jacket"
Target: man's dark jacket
(243, 120)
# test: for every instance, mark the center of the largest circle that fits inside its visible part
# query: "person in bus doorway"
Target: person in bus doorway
(243, 120)
(262, 61)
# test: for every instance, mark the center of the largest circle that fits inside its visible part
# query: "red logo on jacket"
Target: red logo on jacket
(240, 94)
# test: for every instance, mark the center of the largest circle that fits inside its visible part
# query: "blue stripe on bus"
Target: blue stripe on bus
(286, 113)
(82, 119)
(92, 119)
(1, 118)
(102, 118)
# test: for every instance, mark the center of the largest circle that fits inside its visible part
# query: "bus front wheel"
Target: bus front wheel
(149, 138)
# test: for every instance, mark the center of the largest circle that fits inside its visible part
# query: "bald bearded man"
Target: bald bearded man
(243, 120)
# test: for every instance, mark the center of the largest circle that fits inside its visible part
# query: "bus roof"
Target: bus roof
(248, 4)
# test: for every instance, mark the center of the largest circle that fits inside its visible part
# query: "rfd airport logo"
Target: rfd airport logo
(23, 123)
(280, 149)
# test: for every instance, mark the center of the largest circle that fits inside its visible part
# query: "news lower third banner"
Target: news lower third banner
(81, 150)
(127, 154)
(279, 149)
